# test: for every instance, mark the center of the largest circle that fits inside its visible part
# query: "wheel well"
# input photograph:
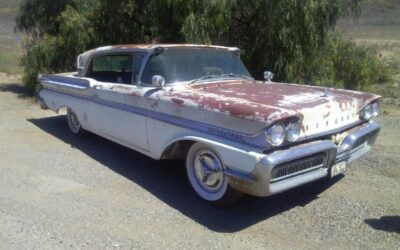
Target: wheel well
(177, 150)
(62, 110)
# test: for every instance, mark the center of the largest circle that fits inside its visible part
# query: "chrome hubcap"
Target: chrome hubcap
(208, 170)
(74, 120)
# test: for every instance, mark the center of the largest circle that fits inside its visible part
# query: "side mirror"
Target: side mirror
(268, 76)
(158, 81)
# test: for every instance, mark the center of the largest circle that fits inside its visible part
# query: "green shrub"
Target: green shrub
(344, 64)
(358, 67)
(41, 57)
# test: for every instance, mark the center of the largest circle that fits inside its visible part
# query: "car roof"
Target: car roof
(83, 58)
(149, 47)
(153, 46)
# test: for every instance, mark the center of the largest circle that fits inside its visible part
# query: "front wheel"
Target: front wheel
(73, 123)
(206, 175)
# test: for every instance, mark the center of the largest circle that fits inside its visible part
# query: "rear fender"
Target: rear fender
(82, 108)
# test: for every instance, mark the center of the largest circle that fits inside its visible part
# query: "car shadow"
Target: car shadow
(15, 88)
(167, 181)
(385, 223)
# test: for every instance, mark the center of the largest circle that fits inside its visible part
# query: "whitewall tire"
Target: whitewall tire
(74, 123)
(205, 171)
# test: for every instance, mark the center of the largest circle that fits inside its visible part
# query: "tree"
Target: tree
(282, 35)
(40, 17)
(289, 37)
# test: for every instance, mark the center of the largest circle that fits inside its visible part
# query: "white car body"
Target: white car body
(162, 122)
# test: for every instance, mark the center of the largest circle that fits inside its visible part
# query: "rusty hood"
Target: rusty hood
(320, 109)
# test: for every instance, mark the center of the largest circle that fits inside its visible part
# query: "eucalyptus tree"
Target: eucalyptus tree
(289, 37)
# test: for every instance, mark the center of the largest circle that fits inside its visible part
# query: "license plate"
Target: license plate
(338, 168)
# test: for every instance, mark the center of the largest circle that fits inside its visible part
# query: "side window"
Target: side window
(138, 61)
(112, 68)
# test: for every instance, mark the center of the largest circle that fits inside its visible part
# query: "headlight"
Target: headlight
(375, 109)
(293, 129)
(366, 113)
(275, 135)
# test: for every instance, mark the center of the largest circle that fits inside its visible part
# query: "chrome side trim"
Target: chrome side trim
(71, 82)
(238, 176)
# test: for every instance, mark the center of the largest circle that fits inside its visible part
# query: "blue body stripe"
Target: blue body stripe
(70, 82)
(249, 140)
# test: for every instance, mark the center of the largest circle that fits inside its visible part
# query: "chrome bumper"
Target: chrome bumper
(298, 161)
(358, 142)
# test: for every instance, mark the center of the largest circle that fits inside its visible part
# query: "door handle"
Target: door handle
(97, 86)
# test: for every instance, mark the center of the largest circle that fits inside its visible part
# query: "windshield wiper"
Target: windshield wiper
(237, 75)
(221, 75)
(203, 78)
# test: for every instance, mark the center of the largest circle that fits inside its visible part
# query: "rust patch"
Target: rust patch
(265, 103)
(304, 129)
(178, 101)
(125, 89)
(121, 88)
(134, 93)
(154, 104)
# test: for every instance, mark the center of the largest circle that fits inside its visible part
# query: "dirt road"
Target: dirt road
(59, 191)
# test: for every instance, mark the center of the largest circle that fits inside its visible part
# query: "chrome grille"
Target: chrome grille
(297, 166)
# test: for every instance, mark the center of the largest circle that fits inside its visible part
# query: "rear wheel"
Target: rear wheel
(206, 175)
(74, 123)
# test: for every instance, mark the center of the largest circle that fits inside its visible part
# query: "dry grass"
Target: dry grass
(10, 55)
(9, 7)
(10, 51)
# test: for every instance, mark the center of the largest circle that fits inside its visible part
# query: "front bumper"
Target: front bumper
(298, 165)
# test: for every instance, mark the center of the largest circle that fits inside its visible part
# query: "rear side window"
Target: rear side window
(112, 68)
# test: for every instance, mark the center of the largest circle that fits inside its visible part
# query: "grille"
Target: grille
(363, 139)
(292, 168)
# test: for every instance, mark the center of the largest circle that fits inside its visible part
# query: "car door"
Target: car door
(117, 111)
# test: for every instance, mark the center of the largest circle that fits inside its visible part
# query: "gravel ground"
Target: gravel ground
(59, 191)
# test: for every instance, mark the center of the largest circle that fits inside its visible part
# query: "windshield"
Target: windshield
(179, 65)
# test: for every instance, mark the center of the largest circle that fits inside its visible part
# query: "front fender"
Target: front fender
(234, 155)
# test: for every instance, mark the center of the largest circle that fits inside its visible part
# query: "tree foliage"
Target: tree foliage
(292, 38)
(40, 17)
(282, 35)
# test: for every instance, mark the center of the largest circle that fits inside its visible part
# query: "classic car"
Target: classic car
(199, 103)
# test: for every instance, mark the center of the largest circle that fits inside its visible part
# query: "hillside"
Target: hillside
(10, 46)
(378, 28)
(379, 20)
